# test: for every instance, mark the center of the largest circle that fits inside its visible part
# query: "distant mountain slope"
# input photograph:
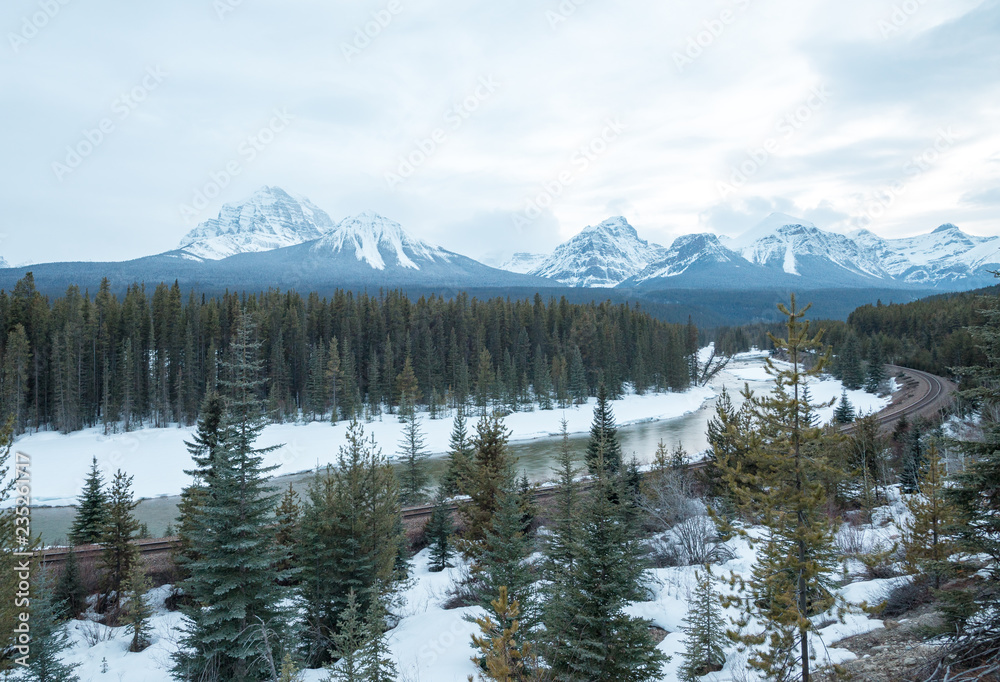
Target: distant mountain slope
(269, 219)
(601, 255)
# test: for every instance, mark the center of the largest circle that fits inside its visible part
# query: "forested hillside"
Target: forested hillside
(146, 358)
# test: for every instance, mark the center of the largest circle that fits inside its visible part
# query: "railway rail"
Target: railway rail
(923, 394)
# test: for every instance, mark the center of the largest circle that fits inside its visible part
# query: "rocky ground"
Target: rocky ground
(894, 653)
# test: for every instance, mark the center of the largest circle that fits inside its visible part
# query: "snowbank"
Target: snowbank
(157, 457)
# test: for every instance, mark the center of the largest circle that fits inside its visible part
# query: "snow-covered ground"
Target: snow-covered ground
(432, 644)
(157, 457)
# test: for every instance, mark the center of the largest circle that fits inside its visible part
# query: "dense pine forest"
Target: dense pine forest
(148, 358)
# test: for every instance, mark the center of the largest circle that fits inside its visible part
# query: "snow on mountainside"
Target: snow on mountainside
(945, 255)
(688, 251)
(270, 219)
(783, 242)
(378, 241)
(600, 256)
(523, 263)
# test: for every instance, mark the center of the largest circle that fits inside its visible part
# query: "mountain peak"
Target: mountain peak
(947, 227)
(270, 218)
(378, 241)
(601, 255)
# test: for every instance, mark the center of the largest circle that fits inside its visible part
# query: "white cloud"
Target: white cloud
(558, 82)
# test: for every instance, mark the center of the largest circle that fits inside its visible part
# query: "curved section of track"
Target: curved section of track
(922, 394)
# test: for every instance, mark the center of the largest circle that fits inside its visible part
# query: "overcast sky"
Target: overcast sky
(684, 116)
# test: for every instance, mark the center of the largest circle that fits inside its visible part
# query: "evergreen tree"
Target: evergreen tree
(578, 388)
(414, 478)
(287, 520)
(596, 639)
(460, 452)
(439, 533)
(913, 458)
(205, 446)
(333, 378)
(120, 554)
(490, 465)
(137, 611)
(289, 671)
(10, 544)
(876, 376)
(849, 368)
(791, 580)
(407, 389)
(376, 665)
(731, 437)
(542, 381)
(562, 550)
(91, 509)
(48, 638)
(604, 443)
(976, 494)
(504, 655)
(348, 642)
(69, 590)
(705, 632)
(502, 559)
(233, 585)
(349, 539)
(844, 414)
(926, 540)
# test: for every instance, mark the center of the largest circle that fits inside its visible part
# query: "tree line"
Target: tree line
(150, 358)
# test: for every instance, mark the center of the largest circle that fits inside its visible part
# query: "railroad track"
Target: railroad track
(935, 395)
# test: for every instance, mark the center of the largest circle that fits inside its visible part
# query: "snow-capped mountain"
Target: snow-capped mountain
(687, 252)
(945, 255)
(270, 219)
(379, 242)
(601, 255)
(796, 246)
(523, 262)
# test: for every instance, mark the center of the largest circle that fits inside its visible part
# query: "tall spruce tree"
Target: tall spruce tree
(976, 494)
(347, 644)
(460, 453)
(595, 639)
(120, 554)
(439, 533)
(70, 591)
(604, 443)
(927, 540)
(844, 414)
(913, 458)
(490, 465)
(349, 539)
(792, 578)
(705, 631)
(414, 476)
(502, 559)
(875, 376)
(136, 611)
(91, 509)
(233, 585)
(205, 447)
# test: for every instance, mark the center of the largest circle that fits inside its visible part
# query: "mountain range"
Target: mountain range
(276, 239)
